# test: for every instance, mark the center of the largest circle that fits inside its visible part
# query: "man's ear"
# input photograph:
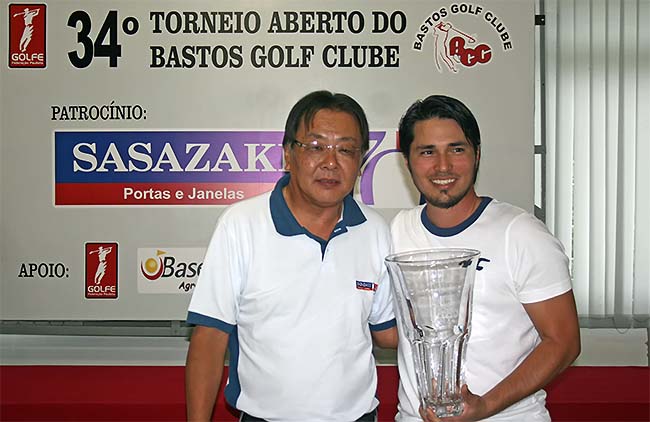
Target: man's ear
(286, 153)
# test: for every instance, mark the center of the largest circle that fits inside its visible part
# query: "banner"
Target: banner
(127, 127)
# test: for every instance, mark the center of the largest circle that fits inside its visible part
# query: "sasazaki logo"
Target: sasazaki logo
(453, 40)
(169, 270)
(169, 167)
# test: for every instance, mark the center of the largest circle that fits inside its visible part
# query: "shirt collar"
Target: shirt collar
(452, 231)
(287, 225)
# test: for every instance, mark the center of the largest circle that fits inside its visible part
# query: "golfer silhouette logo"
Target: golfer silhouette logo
(101, 266)
(454, 47)
(28, 17)
(27, 35)
(101, 270)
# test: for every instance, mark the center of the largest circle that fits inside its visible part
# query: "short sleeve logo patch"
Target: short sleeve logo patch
(366, 285)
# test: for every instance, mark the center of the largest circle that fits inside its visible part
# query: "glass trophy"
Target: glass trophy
(433, 299)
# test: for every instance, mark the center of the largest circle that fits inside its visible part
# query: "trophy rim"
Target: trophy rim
(461, 253)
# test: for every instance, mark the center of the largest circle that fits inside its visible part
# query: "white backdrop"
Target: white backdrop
(120, 117)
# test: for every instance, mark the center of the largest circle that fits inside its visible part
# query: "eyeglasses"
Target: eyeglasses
(316, 149)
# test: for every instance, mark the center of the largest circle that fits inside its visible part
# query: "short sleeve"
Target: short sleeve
(216, 295)
(536, 260)
(382, 315)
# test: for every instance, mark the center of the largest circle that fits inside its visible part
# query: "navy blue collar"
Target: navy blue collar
(287, 225)
(452, 231)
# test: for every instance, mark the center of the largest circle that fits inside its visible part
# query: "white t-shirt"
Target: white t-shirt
(520, 262)
(299, 310)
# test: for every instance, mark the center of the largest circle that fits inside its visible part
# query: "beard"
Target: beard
(444, 200)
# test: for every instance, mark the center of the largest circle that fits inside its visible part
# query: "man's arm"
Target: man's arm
(387, 338)
(556, 321)
(203, 369)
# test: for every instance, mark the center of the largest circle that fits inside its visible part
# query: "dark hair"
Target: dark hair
(441, 107)
(307, 107)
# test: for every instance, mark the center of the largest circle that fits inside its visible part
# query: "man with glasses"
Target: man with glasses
(294, 284)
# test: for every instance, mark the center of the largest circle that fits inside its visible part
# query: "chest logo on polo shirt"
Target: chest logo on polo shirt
(366, 285)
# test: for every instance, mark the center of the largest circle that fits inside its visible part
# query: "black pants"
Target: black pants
(368, 417)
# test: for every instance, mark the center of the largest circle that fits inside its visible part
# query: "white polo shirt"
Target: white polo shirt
(299, 310)
(520, 262)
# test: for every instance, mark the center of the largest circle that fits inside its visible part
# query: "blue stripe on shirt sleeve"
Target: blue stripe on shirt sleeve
(199, 319)
(384, 325)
